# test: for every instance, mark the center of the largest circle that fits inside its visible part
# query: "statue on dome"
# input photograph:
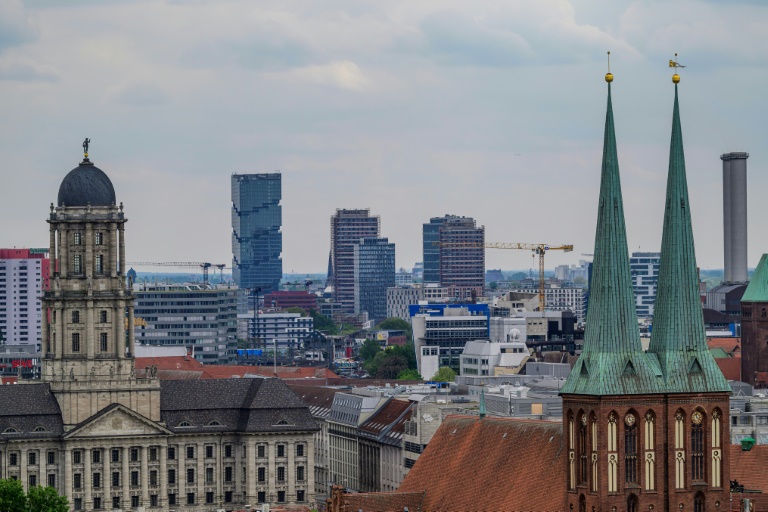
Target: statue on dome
(86, 142)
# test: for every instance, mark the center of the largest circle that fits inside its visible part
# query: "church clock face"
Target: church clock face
(696, 417)
(629, 419)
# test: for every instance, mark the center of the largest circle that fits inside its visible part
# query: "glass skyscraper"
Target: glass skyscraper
(257, 241)
(374, 273)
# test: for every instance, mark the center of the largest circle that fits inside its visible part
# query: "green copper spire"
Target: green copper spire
(757, 291)
(678, 338)
(483, 412)
(612, 362)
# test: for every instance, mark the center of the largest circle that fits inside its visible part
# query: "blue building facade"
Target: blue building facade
(374, 273)
(257, 239)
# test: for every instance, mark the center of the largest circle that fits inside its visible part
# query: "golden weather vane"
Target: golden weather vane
(675, 64)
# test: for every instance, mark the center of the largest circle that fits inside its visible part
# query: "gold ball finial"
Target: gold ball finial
(609, 77)
(676, 78)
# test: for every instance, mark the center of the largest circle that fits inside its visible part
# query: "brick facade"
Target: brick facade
(754, 342)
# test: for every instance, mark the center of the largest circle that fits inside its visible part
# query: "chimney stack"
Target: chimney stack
(735, 216)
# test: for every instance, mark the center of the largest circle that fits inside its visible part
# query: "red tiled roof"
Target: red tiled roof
(730, 345)
(508, 453)
(730, 366)
(748, 468)
(385, 501)
(189, 364)
(394, 413)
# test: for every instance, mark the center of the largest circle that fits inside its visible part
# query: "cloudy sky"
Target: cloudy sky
(491, 109)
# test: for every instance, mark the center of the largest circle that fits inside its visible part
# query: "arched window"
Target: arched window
(583, 449)
(582, 503)
(593, 423)
(632, 503)
(630, 448)
(717, 450)
(613, 462)
(680, 450)
(571, 453)
(697, 447)
(698, 503)
(650, 451)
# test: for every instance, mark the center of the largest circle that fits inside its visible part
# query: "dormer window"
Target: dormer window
(10, 430)
(40, 428)
(214, 423)
(184, 424)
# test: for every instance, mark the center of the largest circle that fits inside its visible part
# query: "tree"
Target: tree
(12, 497)
(396, 324)
(444, 374)
(493, 286)
(323, 323)
(46, 499)
(369, 349)
(408, 351)
(391, 367)
(409, 375)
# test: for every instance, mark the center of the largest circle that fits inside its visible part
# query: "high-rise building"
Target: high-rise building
(192, 315)
(348, 227)
(645, 430)
(645, 274)
(374, 267)
(257, 241)
(454, 254)
(735, 216)
(24, 275)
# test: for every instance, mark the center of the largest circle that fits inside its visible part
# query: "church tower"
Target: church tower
(88, 324)
(645, 430)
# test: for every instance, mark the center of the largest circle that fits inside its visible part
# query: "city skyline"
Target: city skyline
(409, 112)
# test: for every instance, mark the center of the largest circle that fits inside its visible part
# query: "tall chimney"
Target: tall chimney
(735, 216)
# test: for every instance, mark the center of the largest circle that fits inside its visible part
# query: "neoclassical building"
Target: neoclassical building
(111, 441)
(645, 430)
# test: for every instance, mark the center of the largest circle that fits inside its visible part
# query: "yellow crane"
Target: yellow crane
(538, 249)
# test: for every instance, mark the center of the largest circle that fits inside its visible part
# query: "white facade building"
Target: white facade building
(289, 329)
(563, 298)
(483, 357)
(23, 277)
(645, 274)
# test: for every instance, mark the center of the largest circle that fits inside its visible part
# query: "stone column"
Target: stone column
(60, 340)
(106, 478)
(121, 266)
(163, 476)
(290, 477)
(63, 251)
(125, 475)
(66, 474)
(90, 332)
(250, 459)
(87, 479)
(119, 314)
(219, 473)
(23, 473)
(200, 473)
(52, 247)
(131, 331)
(272, 473)
(44, 340)
(112, 244)
(144, 476)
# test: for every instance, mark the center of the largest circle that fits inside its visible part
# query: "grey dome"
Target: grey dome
(86, 184)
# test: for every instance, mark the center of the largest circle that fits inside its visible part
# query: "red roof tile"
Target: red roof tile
(508, 453)
(748, 468)
(730, 345)
(190, 364)
(169, 363)
(730, 366)
(389, 419)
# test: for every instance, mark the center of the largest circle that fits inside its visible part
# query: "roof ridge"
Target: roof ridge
(757, 290)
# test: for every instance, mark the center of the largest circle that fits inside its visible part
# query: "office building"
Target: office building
(109, 438)
(454, 254)
(735, 217)
(645, 275)
(24, 275)
(286, 331)
(348, 227)
(290, 299)
(440, 332)
(562, 298)
(257, 241)
(484, 358)
(200, 317)
(403, 278)
(374, 267)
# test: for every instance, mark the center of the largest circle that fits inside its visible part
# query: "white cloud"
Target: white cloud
(342, 74)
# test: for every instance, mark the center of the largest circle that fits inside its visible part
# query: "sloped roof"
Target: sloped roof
(25, 407)
(506, 452)
(388, 423)
(250, 405)
(730, 366)
(385, 501)
(757, 291)
(173, 367)
(748, 468)
(319, 399)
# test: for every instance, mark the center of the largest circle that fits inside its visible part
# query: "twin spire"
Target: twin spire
(613, 361)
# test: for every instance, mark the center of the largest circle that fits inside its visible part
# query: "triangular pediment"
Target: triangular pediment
(117, 421)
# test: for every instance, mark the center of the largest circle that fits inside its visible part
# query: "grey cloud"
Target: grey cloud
(14, 25)
(139, 95)
(27, 72)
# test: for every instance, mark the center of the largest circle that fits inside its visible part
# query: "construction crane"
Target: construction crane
(306, 284)
(204, 265)
(538, 249)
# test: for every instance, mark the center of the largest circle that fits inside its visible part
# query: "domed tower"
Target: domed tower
(88, 325)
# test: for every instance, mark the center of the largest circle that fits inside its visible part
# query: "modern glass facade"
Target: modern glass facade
(462, 267)
(431, 237)
(257, 241)
(645, 275)
(374, 273)
(348, 227)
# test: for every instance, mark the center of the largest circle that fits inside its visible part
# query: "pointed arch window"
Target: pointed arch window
(697, 447)
(613, 462)
(632, 504)
(680, 450)
(650, 453)
(630, 448)
(583, 449)
(593, 423)
(571, 454)
(698, 503)
(582, 503)
(717, 450)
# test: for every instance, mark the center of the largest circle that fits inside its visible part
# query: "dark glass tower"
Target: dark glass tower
(256, 237)
(374, 273)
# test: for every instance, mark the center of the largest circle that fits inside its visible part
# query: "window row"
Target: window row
(98, 238)
(229, 475)
(115, 455)
(103, 317)
(281, 450)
